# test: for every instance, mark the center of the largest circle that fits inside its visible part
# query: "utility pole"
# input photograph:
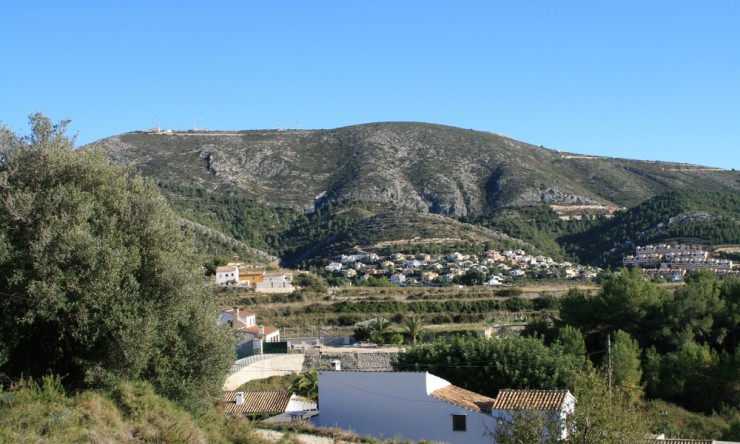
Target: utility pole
(318, 333)
(609, 359)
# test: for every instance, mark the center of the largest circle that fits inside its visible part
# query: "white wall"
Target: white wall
(225, 317)
(223, 277)
(277, 366)
(390, 405)
(296, 405)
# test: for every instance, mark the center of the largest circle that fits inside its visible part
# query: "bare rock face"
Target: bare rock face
(432, 168)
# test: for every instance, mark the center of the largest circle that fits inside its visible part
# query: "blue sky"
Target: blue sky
(656, 80)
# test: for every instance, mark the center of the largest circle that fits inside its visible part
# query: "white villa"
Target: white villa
(421, 406)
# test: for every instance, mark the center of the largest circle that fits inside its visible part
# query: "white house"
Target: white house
(263, 333)
(398, 278)
(421, 406)
(227, 275)
(518, 273)
(275, 283)
(455, 256)
(246, 318)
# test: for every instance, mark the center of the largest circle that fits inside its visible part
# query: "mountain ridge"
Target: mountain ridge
(426, 167)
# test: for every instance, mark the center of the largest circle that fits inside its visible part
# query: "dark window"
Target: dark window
(458, 423)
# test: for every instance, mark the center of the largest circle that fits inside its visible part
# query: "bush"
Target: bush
(518, 304)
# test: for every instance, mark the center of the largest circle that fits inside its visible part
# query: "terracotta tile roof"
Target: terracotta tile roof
(267, 402)
(508, 399)
(463, 398)
(682, 441)
(255, 329)
(242, 313)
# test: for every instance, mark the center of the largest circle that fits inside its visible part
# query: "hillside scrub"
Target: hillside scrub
(131, 413)
(97, 281)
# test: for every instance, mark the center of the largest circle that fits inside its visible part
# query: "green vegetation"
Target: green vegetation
(307, 384)
(717, 221)
(689, 337)
(485, 366)
(98, 283)
(310, 282)
(678, 346)
(131, 412)
(538, 225)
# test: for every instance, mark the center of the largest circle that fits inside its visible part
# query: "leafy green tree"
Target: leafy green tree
(571, 341)
(626, 365)
(695, 376)
(97, 281)
(310, 282)
(381, 281)
(628, 301)
(727, 322)
(487, 365)
(212, 264)
(471, 277)
(577, 308)
(526, 427)
(689, 315)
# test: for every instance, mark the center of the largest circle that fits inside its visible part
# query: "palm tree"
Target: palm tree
(414, 326)
(379, 328)
(308, 385)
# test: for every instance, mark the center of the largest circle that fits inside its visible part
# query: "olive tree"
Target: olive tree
(98, 283)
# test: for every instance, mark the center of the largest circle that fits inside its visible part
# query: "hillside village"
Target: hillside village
(674, 261)
(496, 268)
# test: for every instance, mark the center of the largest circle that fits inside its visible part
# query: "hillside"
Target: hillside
(312, 194)
(700, 216)
(426, 167)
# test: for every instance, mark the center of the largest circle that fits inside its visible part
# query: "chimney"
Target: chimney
(261, 330)
(236, 320)
(239, 398)
(336, 365)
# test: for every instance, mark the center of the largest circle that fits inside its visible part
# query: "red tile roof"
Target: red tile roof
(242, 313)
(262, 402)
(464, 398)
(508, 399)
(255, 329)
(682, 441)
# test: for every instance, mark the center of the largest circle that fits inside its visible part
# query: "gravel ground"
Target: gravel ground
(275, 436)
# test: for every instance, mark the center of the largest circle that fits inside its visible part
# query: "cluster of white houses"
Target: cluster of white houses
(239, 275)
(498, 267)
(674, 261)
(245, 322)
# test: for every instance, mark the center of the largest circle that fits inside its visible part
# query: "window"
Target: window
(458, 423)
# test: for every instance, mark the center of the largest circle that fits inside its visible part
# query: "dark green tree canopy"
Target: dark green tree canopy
(97, 281)
(487, 365)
